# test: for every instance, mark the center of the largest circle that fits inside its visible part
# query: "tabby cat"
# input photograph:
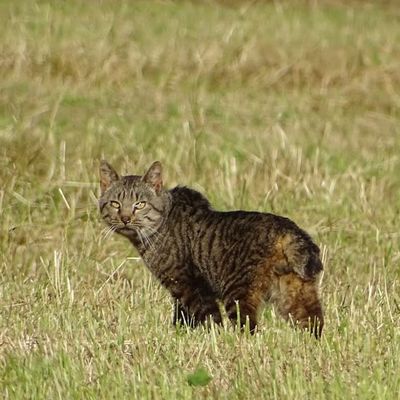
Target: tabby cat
(205, 257)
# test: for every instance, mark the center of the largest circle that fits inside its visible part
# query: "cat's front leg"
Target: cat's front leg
(194, 300)
(182, 316)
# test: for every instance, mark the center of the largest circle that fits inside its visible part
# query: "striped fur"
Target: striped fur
(203, 256)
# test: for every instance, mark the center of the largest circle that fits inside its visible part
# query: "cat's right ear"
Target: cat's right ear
(107, 175)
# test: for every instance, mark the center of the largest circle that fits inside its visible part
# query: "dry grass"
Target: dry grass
(285, 107)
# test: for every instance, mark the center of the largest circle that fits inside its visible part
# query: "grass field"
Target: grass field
(286, 107)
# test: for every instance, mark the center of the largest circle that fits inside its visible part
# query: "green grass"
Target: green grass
(285, 107)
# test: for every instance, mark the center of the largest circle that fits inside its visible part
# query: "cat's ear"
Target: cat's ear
(107, 175)
(154, 176)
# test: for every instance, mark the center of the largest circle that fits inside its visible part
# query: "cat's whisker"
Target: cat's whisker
(104, 233)
(154, 233)
(110, 230)
(151, 239)
(108, 234)
(140, 236)
(105, 229)
(149, 242)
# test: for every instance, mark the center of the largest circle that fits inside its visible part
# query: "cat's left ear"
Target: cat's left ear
(154, 176)
(107, 175)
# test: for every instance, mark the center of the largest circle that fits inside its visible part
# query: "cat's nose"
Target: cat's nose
(125, 219)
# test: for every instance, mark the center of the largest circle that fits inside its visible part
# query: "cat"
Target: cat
(206, 257)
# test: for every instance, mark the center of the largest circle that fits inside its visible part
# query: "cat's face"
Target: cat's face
(132, 205)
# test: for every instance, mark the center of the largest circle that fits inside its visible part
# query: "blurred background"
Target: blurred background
(290, 107)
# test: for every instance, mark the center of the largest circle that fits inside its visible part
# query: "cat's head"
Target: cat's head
(133, 204)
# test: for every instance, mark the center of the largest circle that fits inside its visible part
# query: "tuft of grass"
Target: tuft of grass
(286, 107)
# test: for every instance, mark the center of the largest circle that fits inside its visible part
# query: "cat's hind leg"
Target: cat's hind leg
(195, 302)
(242, 312)
(242, 304)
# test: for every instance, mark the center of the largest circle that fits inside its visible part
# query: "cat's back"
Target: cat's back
(236, 223)
(182, 195)
(268, 235)
(285, 240)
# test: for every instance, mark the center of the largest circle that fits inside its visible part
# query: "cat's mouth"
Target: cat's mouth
(125, 229)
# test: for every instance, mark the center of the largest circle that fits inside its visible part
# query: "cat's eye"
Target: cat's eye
(139, 205)
(115, 204)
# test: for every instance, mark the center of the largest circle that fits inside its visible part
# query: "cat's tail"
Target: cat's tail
(297, 253)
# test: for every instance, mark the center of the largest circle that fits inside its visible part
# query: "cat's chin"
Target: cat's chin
(126, 231)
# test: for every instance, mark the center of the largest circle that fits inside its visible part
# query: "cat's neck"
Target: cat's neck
(183, 204)
(147, 241)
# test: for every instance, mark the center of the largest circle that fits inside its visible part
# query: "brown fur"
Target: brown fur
(203, 256)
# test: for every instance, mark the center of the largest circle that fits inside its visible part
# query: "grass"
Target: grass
(289, 107)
